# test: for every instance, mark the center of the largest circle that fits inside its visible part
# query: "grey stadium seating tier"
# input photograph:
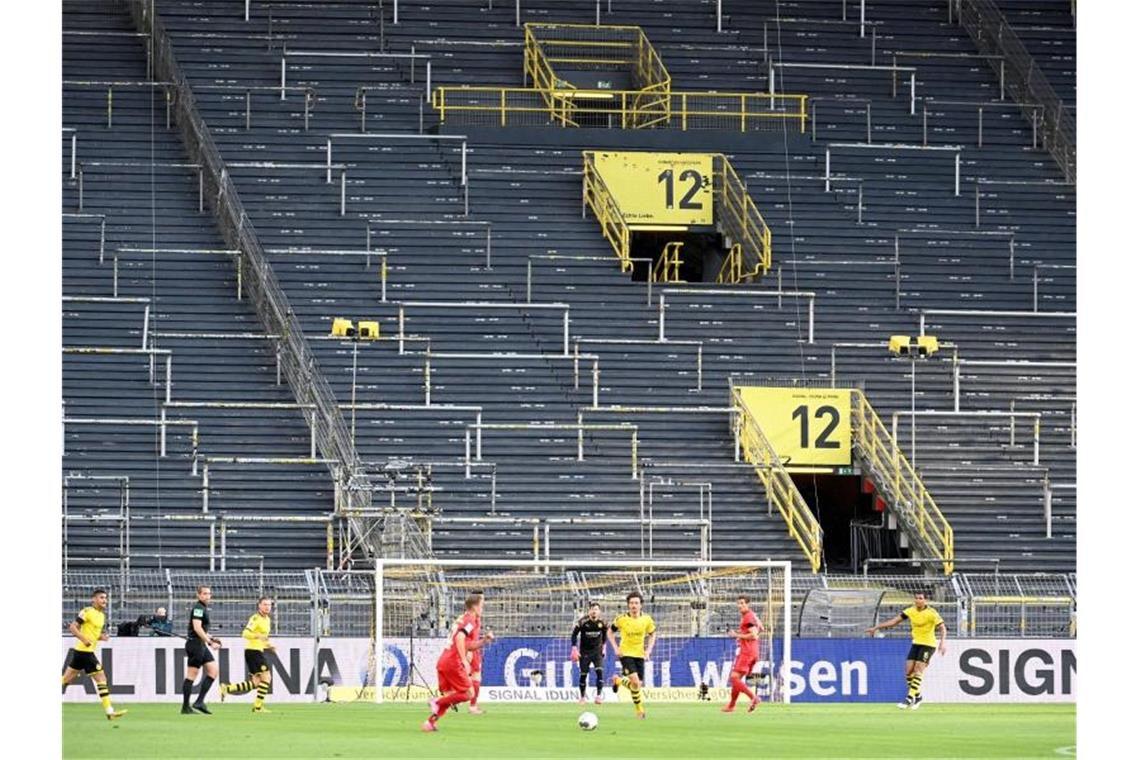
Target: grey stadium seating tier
(954, 255)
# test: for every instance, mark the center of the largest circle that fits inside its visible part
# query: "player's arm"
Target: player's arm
(574, 641)
(206, 638)
(461, 647)
(752, 634)
(74, 630)
(888, 624)
(611, 638)
(942, 638)
(650, 640)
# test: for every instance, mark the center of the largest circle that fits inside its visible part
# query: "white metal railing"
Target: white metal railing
(924, 313)
(578, 341)
(102, 228)
(381, 223)
(955, 149)
(606, 259)
(1012, 416)
(619, 409)
(581, 429)
(162, 424)
(334, 253)
(780, 294)
(1012, 363)
(1036, 276)
(564, 308)
(150, 353)
(403, 136)
(412, 57)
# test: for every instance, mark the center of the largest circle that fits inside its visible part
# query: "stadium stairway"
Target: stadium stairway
(133, 276)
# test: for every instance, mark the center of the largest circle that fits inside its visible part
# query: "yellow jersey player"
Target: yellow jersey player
(924, 619)
(256, 635)
(636, 629)
(87, 628)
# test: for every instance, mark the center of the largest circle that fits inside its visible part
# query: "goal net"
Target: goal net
(532, 607)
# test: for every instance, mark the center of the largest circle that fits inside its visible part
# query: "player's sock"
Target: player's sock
(735, 681)
(625, 682)
(475, 687)
(187, 688)
(262, 693)
(239, 688)
(915, 682)
(207, 682)
(63, 681)
(443, 704)
(598, 678)
(739, 686)
(583, 675)
(635, 694)
(105, 697)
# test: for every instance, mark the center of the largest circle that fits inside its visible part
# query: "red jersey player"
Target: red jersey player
(453, 667)
(749, 637)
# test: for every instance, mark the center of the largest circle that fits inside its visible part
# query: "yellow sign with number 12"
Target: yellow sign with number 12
(659, 188)
(806, 426)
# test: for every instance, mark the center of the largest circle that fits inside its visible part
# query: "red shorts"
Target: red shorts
(452, 677)
(744, 663)
(477, 661)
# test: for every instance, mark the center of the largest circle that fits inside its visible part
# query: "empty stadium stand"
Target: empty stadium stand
(560, 405)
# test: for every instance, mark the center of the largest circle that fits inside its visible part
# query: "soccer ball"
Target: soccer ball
(587, 721)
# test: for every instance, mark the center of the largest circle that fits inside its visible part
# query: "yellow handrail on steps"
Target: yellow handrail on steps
(668, 267)
(778, 484)
(894, 475)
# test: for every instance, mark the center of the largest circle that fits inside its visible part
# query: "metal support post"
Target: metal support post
(859, 220)
(912, 93)
(898, 276)
(247, 10)
(1012, 245)
(328, 160)
(566, 332)
(115, 277)
(488, 265)
(813, 120)
(313, 434)
(874, 37)
(868, 123)
(811, 319)
(980, 111)
(957, 174)
(661, 317)
(463, 164)
(363, 112)
(110, 105)
(308, 103)
(248, 108)
(862, 18)
(1001, 79)
(282, 77)
(827, 171)
(1048, 510)
(343, 189)
(201, 191)
(977, 205)
(73, 140)
(81, 190)
(518, 14)
(598, 12)
(395, 11)
(957, 382)
(719, 27)
(1034, 289)
(597, 379)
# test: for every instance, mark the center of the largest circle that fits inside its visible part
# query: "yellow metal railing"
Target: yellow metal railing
(568, 106)
(732, 270)
(598, 198)
(899, 482)
(668, 267)
(741, 222)
(778, 484)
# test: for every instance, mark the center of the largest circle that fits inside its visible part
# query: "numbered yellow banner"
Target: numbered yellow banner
(806, 426)
(659, 188)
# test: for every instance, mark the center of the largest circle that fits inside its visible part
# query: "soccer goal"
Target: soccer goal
(531, 608)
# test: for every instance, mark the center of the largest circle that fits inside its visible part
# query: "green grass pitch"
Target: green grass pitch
(676, 730)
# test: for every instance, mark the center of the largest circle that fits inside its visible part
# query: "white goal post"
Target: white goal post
(531, 607)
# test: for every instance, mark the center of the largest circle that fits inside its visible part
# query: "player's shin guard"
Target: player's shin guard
(239, 688)
(914, 684)
(207, 682)
(635, 695)
(475, 688)
(187, 689)
(740, 687)
(599, 677)
(583, 674)
(262, 693)
(105, 697)
(443, 704)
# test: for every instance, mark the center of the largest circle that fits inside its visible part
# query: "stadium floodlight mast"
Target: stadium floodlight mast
(407, 587)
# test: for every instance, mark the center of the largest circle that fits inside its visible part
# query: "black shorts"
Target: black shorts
(255, 661)
(920, 653)
(84, 661)
(592, 659)
(631, 665)
(197, 653)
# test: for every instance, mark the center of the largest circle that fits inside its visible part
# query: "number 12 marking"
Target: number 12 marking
(821, 441)
(689, 174)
